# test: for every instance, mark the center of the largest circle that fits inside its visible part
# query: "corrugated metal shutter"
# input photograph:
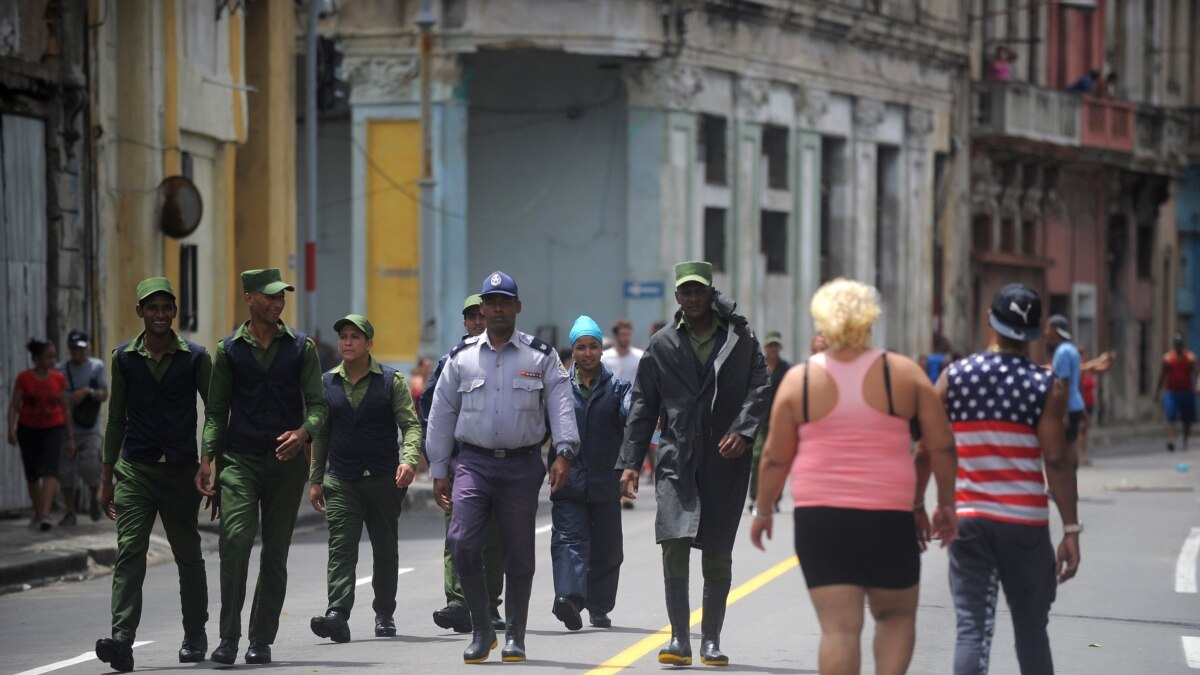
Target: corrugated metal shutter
(22, 270)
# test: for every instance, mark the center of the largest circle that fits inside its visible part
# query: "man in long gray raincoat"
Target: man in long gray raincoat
(706, 377)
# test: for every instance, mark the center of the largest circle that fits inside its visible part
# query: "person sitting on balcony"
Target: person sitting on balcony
(1086, 84)
(1000, 65)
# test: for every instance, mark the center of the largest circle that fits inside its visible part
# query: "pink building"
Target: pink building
(1071, 191)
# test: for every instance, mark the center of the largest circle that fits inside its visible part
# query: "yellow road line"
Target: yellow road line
(657, 640)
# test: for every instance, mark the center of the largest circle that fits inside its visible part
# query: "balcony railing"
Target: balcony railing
(1165, 135)
(1022, 110)
(1108, 123)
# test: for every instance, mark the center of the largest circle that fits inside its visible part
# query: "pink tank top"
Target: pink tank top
(856, 457)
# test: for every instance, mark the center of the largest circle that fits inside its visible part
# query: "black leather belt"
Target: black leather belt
(503, 452)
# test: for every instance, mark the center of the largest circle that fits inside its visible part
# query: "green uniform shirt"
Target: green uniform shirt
(703, 346)
(584, 387)
(114, 429)
(402, 410)
(220, 387)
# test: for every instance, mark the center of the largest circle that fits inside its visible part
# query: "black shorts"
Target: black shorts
(40, 449)
(874, 549)
(1073, 420)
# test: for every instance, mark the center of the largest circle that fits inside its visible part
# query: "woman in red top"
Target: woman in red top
(39, 419)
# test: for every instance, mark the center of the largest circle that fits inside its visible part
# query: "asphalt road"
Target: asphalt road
(1122, 614)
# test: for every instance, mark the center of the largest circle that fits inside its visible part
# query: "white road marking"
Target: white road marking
(367, 579)
(84, 658)
(1191, 650)
(1185, 566)
(543, 529)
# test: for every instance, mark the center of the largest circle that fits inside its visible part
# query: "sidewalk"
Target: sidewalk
(31, 557)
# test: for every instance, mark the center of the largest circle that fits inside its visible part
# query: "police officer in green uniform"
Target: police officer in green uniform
(152, 429)
(366, 480)
(454, 615)
(265, 401)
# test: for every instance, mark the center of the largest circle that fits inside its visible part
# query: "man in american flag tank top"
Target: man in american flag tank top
(1007, 415)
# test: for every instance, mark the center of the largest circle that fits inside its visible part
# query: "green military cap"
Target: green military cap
(773, 338)
(693, 270)
(149, 287)
(359, 322)
(264, 281)
(472, 301)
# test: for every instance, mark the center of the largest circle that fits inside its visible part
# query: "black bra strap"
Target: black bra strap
(805, 404)
(887, 383)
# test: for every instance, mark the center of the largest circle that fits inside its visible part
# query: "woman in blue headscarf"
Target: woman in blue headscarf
(586, 537)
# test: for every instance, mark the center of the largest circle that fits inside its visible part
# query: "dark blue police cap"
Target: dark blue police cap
(499, 283)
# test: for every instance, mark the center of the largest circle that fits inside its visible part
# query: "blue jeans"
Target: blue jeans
(990, 554)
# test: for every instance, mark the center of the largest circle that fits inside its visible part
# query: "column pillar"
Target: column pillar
(746, 276)
(914, 331)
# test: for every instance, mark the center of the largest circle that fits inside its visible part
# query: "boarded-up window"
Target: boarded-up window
(774, 241)
(712, 149)
(714, 238)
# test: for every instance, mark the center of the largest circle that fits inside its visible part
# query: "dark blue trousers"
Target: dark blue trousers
(586, 552)
(990, 554)
(507, 487)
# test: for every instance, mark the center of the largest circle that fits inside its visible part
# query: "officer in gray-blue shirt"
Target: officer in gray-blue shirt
(494, 397)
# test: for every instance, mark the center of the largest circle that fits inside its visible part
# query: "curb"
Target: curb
(28, 567)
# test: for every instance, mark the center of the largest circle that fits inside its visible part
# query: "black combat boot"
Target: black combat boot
(385, 626)
(715, 595)
(226, 651)
(483, 639)
(516, 604)
(194, 648)
(679, 651)
(116, 652)
(334, 625)
(258, 652)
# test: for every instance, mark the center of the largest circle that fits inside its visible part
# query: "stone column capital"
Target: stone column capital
(664, 84)
(868, 115)
(753, 95)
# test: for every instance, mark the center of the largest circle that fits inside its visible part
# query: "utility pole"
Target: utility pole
(429, 239)
(310, 168)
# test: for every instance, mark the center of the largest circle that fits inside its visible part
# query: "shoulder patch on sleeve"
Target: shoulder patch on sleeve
(461, 346)
(537, 344)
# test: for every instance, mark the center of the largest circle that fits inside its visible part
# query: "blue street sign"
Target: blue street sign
(643, 290)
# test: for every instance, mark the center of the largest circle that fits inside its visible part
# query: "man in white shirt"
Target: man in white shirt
(622, 358)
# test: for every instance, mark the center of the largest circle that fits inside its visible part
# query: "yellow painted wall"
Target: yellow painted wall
(393, 238)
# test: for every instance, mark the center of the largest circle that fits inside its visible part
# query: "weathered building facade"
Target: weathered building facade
(1073, 191)
(585, 147)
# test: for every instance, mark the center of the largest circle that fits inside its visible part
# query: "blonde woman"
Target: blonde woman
(844, 418)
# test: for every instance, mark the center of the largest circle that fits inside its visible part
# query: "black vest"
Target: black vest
(362, 441)
(264, 403)
(160, 415)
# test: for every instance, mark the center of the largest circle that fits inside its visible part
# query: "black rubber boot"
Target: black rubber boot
(679, 651)
(516, 609)
(715, 595)
(483, 639)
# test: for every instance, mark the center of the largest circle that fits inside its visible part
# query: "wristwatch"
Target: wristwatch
(1074, 528)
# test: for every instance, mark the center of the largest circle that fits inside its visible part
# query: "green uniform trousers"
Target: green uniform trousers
(142, 492)
(493, 567)
(349, 504)
(250, 485)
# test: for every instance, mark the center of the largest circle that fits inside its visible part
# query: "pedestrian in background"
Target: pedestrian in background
(39, 421)
(495, 397)
(150, 447)
(1007, 414)
(707, 380)
(585, 538)
(1177, 389)
(265, 401)
(454, 616)
(777, 367)
(367, 477)
(88, 388)
(420, 376)
(841, 426)
(1090, 370)
(622, 358)
(1067, 366)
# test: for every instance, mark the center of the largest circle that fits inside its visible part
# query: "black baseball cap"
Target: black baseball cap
(77, 338)
(1017, 313)
(1061, 325)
